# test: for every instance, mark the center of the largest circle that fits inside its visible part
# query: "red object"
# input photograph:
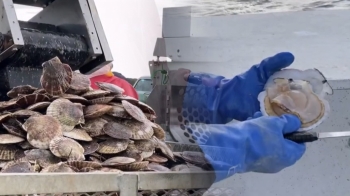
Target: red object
(129, 89)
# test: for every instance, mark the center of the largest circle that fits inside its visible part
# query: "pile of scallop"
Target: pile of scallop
(66, 126)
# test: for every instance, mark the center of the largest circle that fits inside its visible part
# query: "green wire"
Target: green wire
(164, 73)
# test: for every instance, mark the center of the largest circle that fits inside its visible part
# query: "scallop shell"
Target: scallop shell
(97, 110)
(132, 100)
(18, 167)
(113, 146)
(110, 87)
(146, 147)
(118, 161)
(164, 148)
(8, 152)
(101, 100)
(41, 130)
(74, 98)
(156, 159)
(23, 114)
(196, 158)
(297, 92)
(95, 94)
(116, 130)
(27, 100)
(10, 139)
(39, 106)
(94, 127)
(13, 126)
(84, 164)
(58, 168)
(157, 167)
(23, 89)
(8, 105)
(56, 77)
(80, 83)
(135, 166)
(159, 132)
(90, 147)
(67, 148)
(146, 108)
(106, 169)
(43, 157)
(139, 130)
(119, 111)
(78, 134)
(134, 111)
(25, 145)
(67, 113)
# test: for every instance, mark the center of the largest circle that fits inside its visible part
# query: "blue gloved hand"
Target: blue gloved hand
(234, 98)
(255, 145)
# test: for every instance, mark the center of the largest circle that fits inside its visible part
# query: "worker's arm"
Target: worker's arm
(235, 98)
(255, 145)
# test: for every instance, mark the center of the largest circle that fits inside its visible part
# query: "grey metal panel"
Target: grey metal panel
(71, 14)
(100, 32)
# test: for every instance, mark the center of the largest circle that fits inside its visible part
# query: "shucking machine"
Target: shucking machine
(68, 29)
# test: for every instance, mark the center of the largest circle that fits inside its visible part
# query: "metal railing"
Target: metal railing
(103, 184)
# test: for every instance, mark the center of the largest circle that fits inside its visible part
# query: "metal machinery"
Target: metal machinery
(69, 29)
(229, 45)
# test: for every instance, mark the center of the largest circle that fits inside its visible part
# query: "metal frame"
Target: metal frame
(128, 184)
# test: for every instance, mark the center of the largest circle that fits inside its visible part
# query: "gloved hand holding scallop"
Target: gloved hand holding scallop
(298, 92)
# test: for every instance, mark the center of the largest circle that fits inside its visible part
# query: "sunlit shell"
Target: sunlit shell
(118, 161)
(156, 158)
(58, 168)
(78, 134)
(90, 147)
(297, 92)
(80, 83)
(134, 111)
(113, 146)
(110, 87)
(67, 113)
(10, 139)
(23, 114)
(197, 158)
(14, 127)
(17, 167)
(28, 100)
(101, 100)
(56, 77)
(41, 130)
(8, 152)
(139, 130)
(117, 130)
(43, 157)
(159, 132)
(97, 110)
(94, 127)
(23, 89)
(157, 167)
(40, 106)
(164, 148)
(95, 94)
(84, 164)
(67, 148)
(135, 166)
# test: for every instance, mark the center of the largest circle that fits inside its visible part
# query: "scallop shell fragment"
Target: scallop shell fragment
(41, 130)
(67, 113)
(67, 148)
(297, 92)
(56, 77)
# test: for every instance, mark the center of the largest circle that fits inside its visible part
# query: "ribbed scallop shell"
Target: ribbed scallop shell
(113, 146)
(97, 110)
(134, 111)
(110, 87)
(40, 106)
(8, 152)
(67, 148)
(95, 94)
(67, 113)
(80, 83)
(101, 100)
(118, 161)
(17, 167)
(139, 130)
(136, 166)
(156, 158)
(84, 164)
(159, 132)
(23, 89)
(56, 77)
(28, 100)
(10, 139)
(58, 168)
(41, 130)
(164, 148)
(94, 127)
(78, 134)
(117, 130)
(43, 157)
(90, 147)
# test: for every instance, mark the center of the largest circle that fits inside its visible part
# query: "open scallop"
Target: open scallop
(297, 92)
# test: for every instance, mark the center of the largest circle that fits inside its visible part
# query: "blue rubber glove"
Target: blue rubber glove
(255, 145)
(235, 98)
